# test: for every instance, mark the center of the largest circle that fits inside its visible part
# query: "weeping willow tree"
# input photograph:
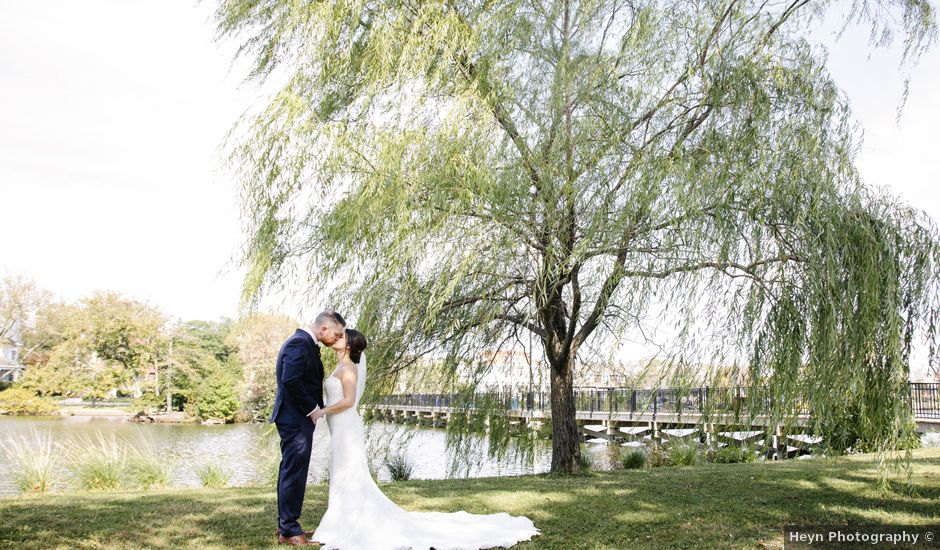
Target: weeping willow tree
(468, 175)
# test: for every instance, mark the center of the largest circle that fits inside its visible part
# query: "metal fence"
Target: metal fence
(923, 397)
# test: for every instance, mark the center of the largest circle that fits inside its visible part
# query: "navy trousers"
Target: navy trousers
(296, 440)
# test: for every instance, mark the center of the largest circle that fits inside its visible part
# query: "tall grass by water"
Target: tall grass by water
(149, 467)
(633, 459)
(39, 464)
(35, 462)
(213, 476)
(684, 453)
(98, 462)
(399, 467)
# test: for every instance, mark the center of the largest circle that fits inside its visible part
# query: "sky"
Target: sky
(112, 120)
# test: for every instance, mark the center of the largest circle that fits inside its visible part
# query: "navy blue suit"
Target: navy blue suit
(299, 392)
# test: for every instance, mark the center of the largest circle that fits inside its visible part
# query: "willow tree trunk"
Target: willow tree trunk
(566, 448)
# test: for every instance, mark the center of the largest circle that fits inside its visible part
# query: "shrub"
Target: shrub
(213, 476)
(20, 401)
(633, 459)
(216, 399)
(683, 453)
(734, 454)
(33, 461)
(399, 467)
(148, 403)
(657, 458)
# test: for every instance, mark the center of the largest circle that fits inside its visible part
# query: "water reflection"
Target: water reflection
(249, 451)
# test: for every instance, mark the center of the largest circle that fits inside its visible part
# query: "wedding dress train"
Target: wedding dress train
(360, 517)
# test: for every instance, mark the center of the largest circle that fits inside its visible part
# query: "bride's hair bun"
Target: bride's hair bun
(357, 343)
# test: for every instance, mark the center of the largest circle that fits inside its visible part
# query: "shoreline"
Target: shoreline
(94, 411)
(123, 413)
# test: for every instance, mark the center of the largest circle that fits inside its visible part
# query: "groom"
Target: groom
(299, 392)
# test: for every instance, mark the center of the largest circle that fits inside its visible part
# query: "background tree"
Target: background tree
(123, 332)
(471, 173)
(257, 339)
(203, 364)
(20, 300)
(104, 342)
(50, 329)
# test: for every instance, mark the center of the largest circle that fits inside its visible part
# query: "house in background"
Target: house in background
(10, 367)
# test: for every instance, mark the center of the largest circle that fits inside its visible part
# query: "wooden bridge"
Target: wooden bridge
(631, 417)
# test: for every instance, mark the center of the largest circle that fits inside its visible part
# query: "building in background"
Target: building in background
(10, 367)
(511, 370)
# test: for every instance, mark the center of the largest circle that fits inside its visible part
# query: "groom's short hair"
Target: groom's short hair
(329, 317)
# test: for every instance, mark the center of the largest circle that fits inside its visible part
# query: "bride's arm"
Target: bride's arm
(348, 378)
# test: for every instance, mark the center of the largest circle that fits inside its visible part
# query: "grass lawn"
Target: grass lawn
(709, 506)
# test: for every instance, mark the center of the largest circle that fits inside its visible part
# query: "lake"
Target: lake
(247, 454)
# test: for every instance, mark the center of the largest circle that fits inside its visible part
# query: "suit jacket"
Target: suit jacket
(299, 380)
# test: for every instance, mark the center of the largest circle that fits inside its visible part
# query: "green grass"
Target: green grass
(704, 506)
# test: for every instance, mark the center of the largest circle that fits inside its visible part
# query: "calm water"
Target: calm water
(248, 455)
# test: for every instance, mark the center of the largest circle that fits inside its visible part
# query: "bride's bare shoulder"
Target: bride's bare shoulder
(348, 371)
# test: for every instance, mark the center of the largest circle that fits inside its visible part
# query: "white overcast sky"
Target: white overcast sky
(112, 114)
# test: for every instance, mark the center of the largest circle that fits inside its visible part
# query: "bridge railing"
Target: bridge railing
(924, 399)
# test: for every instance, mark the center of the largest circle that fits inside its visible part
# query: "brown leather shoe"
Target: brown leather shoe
(308, 534)
(296, 540)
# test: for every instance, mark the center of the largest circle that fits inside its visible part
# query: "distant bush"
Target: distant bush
(148, 403)
(683, 453)
(20, 401)
(657, 458)
(633, 459)
(399, 467)
(909, 437)
(217, 399)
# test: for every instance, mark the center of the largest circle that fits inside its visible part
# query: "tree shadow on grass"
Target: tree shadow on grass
(712, 506)
(228, 518)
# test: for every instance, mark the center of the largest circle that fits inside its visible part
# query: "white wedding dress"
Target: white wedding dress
(360, 517)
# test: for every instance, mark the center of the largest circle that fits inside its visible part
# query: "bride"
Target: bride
(359, 516)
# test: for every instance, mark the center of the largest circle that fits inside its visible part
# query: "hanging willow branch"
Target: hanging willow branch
(472, 173)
